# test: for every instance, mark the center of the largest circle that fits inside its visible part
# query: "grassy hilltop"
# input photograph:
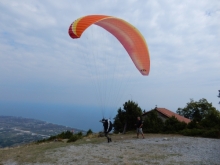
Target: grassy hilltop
(124, 149)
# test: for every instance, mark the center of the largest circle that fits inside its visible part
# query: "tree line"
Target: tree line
(205, 120)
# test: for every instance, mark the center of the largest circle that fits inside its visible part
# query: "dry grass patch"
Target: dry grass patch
(29, 153)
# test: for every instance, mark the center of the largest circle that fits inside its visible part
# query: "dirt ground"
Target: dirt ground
(123, 150)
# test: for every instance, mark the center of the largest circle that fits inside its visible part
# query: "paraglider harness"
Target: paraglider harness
(107, 124)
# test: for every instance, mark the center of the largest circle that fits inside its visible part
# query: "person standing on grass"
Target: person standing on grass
(139, 125)
(107, 124)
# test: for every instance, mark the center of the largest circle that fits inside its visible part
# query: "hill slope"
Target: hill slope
(125, 149)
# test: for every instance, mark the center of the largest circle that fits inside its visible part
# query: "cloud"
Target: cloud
(40, 62)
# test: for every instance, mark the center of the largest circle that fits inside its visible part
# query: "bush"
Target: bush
(51, 138)
(180, 126)
(80, 134)
(89, 132)
(172, 125)
(73, 138)
(68, 134)
(192, 132)
(41, 141)
(63, 135)
(213, 133)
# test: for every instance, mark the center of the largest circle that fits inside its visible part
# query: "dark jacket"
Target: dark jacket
(107, 124)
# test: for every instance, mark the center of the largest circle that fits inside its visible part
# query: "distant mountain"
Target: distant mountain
(15, 131)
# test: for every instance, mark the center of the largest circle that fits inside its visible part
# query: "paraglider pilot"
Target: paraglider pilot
(107, 124)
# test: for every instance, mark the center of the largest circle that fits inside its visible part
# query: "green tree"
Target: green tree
(119, 121)
(197, 110)
(212, 120)
(126, 118)
(152, 123)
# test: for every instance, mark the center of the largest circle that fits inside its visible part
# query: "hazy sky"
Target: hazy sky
(40, 63)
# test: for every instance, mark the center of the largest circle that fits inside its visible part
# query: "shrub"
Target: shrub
(73, 138)
(80, 134)
(172, 125)
(89, 132)
(65, 135)
(192, 132)
(51, 138)
(214, 133)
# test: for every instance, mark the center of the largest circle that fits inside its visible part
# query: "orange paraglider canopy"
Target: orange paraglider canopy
(127, 34)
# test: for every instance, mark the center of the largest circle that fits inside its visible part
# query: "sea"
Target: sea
(75, 116)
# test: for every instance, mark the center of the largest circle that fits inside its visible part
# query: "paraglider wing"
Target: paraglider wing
(127, 34)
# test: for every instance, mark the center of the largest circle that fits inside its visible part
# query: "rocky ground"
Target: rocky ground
(124, 150)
